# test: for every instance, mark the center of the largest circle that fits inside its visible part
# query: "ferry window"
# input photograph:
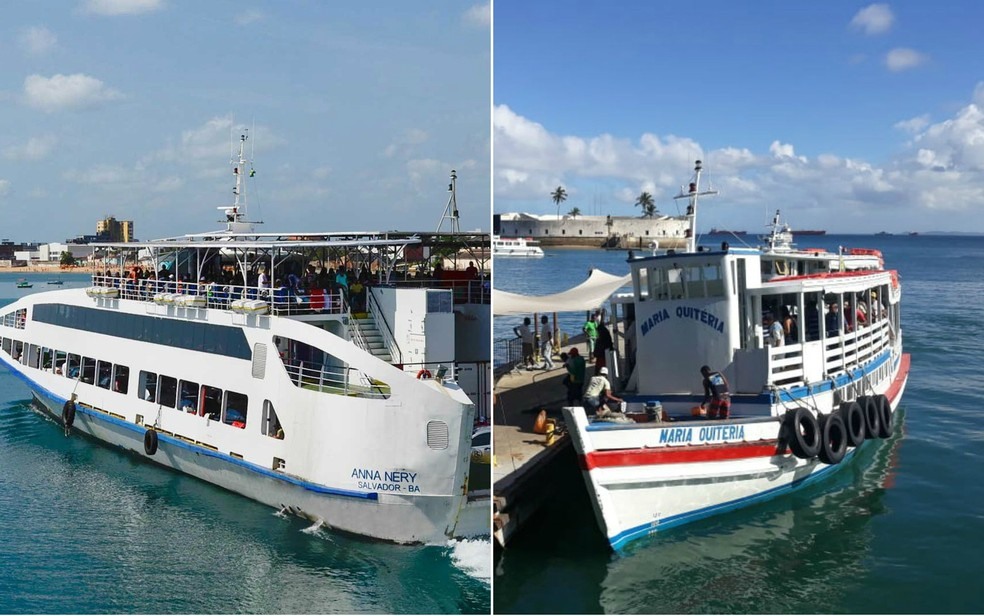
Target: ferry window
(18, 350)
(212, 402)
(61, 359)
(105, 371)
(813, 311)
(6, 345)
(88, 370)
(46, 358)
(695, 285)
(33, 356)
(189, 397)
(121, 379)
(148, 386)
(271, 423)
(169, 391)
(235, 411)
(74, 366)
(714, 281)
(674, 282)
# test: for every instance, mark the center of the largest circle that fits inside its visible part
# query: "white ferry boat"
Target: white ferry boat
(330, 399)
(515, 247)
(800, 406)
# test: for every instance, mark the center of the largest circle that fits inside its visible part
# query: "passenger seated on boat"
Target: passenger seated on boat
(717, 392)
(599, 393)
(280, 295)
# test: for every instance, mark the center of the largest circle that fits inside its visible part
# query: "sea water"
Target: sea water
(89, 529)
(896, 530)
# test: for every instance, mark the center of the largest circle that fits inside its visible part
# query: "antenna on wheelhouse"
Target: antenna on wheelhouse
(692, 192)
(451, 209)
(235, 214)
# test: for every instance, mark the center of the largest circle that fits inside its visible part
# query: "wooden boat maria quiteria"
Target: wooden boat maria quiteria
(337, 405)
(800, 406)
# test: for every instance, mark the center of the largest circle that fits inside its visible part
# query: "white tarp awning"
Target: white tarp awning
(588, 295)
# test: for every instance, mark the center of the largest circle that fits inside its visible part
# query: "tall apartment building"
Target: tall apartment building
(113, 230)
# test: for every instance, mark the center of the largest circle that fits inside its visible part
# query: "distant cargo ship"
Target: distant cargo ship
(810, 232)
(726, 232)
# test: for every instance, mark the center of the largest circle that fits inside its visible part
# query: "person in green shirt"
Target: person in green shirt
(590, 330)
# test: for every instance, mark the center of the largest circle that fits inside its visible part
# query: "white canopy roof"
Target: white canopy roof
(586, 296)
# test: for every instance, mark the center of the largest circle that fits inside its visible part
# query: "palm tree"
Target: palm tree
(575, 212)
(559, 196)
(645, 201)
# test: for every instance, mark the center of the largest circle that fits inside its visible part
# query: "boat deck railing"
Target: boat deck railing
(842, 352)
(280, 301)
(338, 380)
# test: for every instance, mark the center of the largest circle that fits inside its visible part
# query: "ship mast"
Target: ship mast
(451, 209)
(235, 214)
(692, 193)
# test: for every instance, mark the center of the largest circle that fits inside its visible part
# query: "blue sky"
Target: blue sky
(848, 116)
(357, 113)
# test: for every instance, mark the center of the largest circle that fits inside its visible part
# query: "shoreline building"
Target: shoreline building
(112, 230)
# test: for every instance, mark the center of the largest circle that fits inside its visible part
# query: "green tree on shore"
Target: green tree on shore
(648, 205)
(575, 212)
(559, 196)
(67, 260)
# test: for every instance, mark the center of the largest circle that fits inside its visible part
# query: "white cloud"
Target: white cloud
(66, 92)
(901, 58)
(37, 40)
(247, 17)
(913, 125)
(873, 19)
(405, 144)
(36, 148)
(4, 188)
(479, 15)
(113, 8)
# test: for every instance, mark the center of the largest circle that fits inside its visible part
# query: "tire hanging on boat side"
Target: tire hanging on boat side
(872, 416)
(150, 442)
(885, 415)
(68, 414)
(833, 438)
(854, 422)
(803, 433)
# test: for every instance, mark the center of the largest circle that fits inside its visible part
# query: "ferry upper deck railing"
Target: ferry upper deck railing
(337, 380)
(842, 352)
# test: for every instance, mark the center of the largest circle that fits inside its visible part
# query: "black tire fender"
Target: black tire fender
(833, 439)
(803, 433)
(68, 414)
(854, 422)
(885, 415)
(150, 442)
(872, 416)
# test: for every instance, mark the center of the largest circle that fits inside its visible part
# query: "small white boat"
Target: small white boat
(802, 401)
(58, 282)
(515, 247)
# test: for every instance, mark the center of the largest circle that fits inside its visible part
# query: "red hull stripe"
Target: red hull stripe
(709, 453)
(677, 455)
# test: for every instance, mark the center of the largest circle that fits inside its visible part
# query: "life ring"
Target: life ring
(150, 442)
(853, 418)
(885, 415)
(872, 416)
(833, 439)
(802, 433)
(424, 374)
(68, 414)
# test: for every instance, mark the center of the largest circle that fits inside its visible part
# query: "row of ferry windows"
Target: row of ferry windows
(227, 406)
(16, 318)
(672, 281)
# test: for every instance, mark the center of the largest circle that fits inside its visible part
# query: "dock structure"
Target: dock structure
(524, 464)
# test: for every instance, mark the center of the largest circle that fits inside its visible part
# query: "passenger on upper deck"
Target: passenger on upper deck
(833, 321)
(790, 327)
(471, 270)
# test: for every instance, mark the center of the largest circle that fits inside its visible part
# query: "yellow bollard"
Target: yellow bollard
(551, 432)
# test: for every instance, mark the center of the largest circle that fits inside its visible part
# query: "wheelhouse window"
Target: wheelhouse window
(271, 423)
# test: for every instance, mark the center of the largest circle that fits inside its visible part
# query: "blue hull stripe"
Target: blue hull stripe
(618, 541)
(176, 442)
(785, 395)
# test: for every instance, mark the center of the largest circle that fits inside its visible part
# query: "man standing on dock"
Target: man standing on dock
(590, 330)
(546, 343)
(523, 331)
(575, 376)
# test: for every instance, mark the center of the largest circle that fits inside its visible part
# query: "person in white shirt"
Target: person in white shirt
(546, 343)
(599, 392)
(775, 336)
